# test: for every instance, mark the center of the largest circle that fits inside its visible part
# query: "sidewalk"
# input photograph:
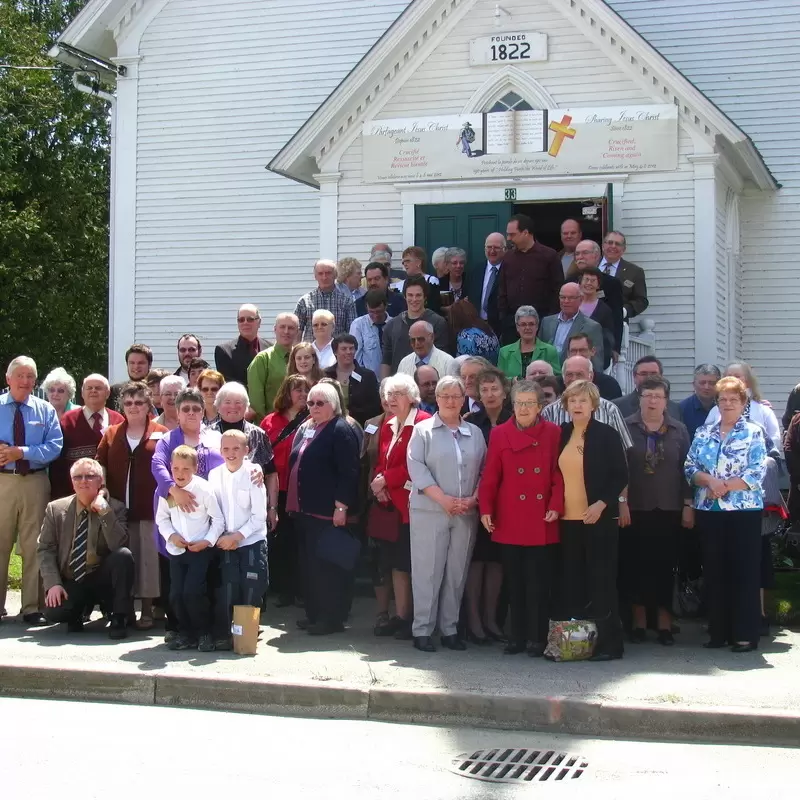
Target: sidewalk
(654, 692)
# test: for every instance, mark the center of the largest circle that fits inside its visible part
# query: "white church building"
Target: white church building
(251, 137)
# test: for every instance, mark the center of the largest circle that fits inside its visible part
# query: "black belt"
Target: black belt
(29, 472)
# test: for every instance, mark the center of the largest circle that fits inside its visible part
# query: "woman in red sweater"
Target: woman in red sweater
(390, 486)
(521, 496)
(280, 428)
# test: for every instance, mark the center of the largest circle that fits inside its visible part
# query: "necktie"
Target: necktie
(489, 288)
(420, 363)
(22, 466)
(607, 270)
(77, 559)
(379, 326)
(97, 424)
(254, 346)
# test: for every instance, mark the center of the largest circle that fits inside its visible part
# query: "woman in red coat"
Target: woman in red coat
(391, 486)
(521, 497)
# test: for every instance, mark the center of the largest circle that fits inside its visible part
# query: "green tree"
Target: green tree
(54, 199)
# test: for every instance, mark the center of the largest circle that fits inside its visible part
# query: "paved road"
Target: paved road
(64, 750)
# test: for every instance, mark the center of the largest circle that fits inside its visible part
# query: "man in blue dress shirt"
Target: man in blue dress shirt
(695, 408)
(30, 438)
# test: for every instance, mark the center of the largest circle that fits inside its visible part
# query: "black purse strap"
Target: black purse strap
(290, 429)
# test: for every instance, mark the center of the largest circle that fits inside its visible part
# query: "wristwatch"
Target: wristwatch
(272, 508)
(622, 499)
(341, 508)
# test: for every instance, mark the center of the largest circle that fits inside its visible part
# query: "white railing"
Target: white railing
(638, 339)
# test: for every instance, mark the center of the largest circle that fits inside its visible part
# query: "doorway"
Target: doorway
(547, 218)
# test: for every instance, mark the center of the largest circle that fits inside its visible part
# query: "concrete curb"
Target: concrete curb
(729, 725)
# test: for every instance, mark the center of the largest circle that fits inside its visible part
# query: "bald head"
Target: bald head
(421, 336)
(325, 274)
(569, 298)
(587, 254)
(577, 368)
(570, 234)
(538, 369)
(248, 319)
(494, 247)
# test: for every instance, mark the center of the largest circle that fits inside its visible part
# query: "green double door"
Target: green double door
(463, 225)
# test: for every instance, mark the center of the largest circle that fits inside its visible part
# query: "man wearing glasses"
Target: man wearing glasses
(495, 248)
(233, 358)
(630, 275)
(189, 348)
(83, 553)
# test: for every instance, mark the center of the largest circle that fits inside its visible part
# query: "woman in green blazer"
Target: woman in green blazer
(514, 358)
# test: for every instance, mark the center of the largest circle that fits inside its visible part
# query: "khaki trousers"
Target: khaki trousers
(23, 500)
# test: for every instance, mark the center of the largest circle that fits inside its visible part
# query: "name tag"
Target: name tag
(408, 486)
(628, 284)
(601, 294)
(371, 428)
(156, 435)
(355, 377)
(309, 433)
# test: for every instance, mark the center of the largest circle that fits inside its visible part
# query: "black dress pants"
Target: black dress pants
(589, 579)
(189, 596)
(527, 572)
(110, 585)
(732, 571)
(328, 588)
(283, 554)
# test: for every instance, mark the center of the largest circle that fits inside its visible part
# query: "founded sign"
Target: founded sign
(511, 144)
(506, 48)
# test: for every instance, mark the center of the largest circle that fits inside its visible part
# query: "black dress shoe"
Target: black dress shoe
(638, 635)
(424, 643)
(513, 648)
(118, 628)
(34, 620)
(536, 650)
(666, 638)
(453, 642)
(75, 626)
(324, 628)
(481, 641)
(744, 648)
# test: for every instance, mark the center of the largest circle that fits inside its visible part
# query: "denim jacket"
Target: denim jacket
(743, 455)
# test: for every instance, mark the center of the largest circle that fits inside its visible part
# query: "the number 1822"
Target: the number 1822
(510, 52)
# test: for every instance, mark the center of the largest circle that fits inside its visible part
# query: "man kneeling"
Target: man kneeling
(243, 561)
(82, 554)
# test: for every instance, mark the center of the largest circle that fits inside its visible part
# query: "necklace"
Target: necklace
(583, 438)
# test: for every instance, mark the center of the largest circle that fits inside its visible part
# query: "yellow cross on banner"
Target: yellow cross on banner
(562, 131)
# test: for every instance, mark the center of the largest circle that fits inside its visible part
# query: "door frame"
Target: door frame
(569, 188)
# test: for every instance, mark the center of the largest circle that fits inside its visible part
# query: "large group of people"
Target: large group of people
(456, 430)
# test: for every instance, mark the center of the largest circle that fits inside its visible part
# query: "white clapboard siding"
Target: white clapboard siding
(222, 87)
(657, 209)
(745, 56)
(722, 278)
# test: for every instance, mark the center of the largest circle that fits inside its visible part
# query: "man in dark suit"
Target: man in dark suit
(377, 278)
(579, 345)
(360, 385)
(486, 283)
(83, 557)
(558, 328)
(646, 367)
(630, 275)
(233, 358)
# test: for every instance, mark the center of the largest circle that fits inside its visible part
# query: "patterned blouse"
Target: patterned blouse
(474, 342)
(743, 454)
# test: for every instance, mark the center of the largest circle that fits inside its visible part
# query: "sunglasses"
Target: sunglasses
(86, 477)
(190, 409)
(137, 403)
(205, 389)
(247, 319)
(316, 403)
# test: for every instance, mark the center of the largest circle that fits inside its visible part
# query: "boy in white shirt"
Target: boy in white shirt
(190, 538)
(243, 545)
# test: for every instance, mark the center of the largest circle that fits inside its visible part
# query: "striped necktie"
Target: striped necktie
(77, 560)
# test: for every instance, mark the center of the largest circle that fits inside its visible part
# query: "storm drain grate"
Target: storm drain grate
(519, 765)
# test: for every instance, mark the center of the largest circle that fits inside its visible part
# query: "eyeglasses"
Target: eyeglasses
(394, 395)
(320, 324)
(247, 319)
(190, 409)
(526, 403)
(56, 390)
(413, 339)
(527, 324)
(85, 477)
(131, 403)
(613, 243)
(316, 403)
(212, 389)
(451, 398)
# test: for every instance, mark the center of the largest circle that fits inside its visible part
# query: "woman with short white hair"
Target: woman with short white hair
(169, 388)
(60, 388)
(445, 459)
(348, 278)
(323, 497)
(323, 323)
(388, 519)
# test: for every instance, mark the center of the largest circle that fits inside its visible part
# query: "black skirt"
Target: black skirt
(485, 549)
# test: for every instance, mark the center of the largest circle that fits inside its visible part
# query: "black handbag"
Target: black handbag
(687, 596)
(338, 546)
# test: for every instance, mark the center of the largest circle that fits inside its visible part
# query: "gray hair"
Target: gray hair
(427, 327)
(596, 249)
(96, 376)
(231, 390)
(539, 361)
(328, 393)
(60, 375)
(287, 315)
(482, 362)
(454, 252)
(323, 314)
(90, 465)
(22, 361)
(438, 254)
(532, 387)
(381, 256)
(708, 369)
(401, 383)
(450, 382)
(175, 382)
(455, 366)
(525, 311)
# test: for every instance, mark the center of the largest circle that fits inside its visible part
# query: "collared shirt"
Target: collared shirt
(562, 331)
(743, 454)
(205, 522)
(89, 416)
(43, 437)
(566, 261)
(437, 359)
(346, 290)
(491, 274)
(606, 412)
(693, 413)
(339, 304)
(243, 504)
(394, 424)
(612, 268)
(264, 378)
(326, 356)
(369, 351)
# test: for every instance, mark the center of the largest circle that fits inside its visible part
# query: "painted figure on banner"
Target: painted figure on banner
(465, 138)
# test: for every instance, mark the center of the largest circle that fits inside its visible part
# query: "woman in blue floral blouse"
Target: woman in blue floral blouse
(472, 335)
(726, 465)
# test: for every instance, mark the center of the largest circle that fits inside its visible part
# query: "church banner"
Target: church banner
(512, 144)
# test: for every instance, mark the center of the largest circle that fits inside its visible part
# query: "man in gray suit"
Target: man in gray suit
(557, 329)
(646, 367)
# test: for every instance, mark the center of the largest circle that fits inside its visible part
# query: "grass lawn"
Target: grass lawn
(787, 598)
(15, 572)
